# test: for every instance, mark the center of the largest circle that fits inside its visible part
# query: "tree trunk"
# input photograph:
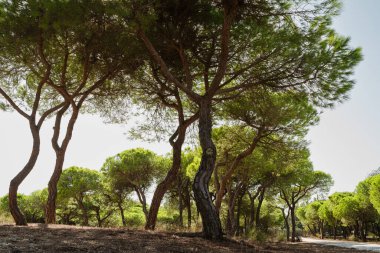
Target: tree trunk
(98, 218)
(252, 213)
(212, 228)
(122, 214)
(261, 200)
(321, 231)
(241, 193)
(286, 222)
(344, 232)
(60, 152)
(287, 227)
(356, 230)
(363, 235)
(230, 222)
(293, 219)
(142, 199)
(50, 212)
(188, 205)
(19, 178)
(164, 185)
(180, 203)
(84, 212)
(231, 169)
(334, 231)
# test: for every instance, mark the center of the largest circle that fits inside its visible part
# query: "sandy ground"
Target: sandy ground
(60, 238)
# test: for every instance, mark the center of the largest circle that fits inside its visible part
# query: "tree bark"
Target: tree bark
(321, 230)
(50, 212)
(231, 169)
(334, 230)
(84, 212)
(287, 227)
(164, 185)
(230, 222)
(258, 210)
(212, 228)
(363, 235)
(293, 219)
(171, 176)
(188, 204)
(238, 213)
(180, 203)
(19, 178)
(252, 212)
(60, 152)
(141, 196)
(119, 205)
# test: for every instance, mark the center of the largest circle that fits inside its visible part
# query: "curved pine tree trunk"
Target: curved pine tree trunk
(16, 213)
(171, 176)
(212, 228)
(60, 152)
(50, 212)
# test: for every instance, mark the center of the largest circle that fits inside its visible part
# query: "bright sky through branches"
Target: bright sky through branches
(345, 144)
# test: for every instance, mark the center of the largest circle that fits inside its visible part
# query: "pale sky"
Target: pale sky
(345, 144)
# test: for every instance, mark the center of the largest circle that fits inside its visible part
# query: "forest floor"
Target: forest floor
(62, 238)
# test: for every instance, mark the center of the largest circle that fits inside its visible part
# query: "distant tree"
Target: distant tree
(374, 172)
(348, 211)
(312, 215)
(79, 185)
(262, 116)
(32, 205)
(135, 169)
(374, 192)
(326, 214)
(115, 192)
(302, 181)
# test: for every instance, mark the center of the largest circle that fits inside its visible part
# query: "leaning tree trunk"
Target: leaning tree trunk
(121, 209)
(287, 227)
(167, 182)
(212, 228)
(141, 196)
(50, 212)
(60, 152)
(19, 178)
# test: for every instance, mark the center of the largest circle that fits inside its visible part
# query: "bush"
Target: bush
(259, 236)
(5, 218)
(135, 219)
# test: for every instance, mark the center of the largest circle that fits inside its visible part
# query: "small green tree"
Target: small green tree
(302, 182)
(135, 169)
(374, 192)
(79, 185)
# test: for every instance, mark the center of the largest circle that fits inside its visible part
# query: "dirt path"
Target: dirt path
(345, 244)
(57, 238)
